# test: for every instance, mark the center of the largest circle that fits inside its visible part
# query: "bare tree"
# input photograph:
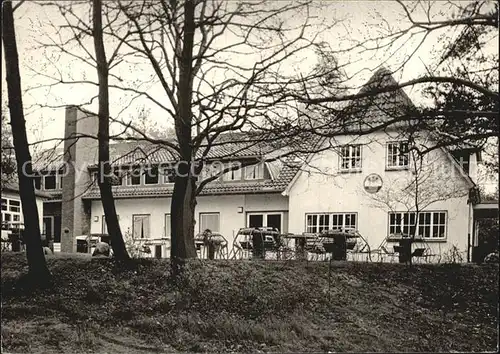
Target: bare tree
(219, 66)
(429, 179)
(105, 170)
(462, 80)
(36, 259)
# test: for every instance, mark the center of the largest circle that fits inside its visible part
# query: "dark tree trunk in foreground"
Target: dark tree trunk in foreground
(184, 195)
(104, 174)
(34, 251)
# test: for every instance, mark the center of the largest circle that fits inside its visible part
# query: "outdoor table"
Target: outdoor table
(300, 243)
(404, 248)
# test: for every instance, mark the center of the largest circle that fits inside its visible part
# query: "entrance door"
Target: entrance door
(265, 220)
(48, 228)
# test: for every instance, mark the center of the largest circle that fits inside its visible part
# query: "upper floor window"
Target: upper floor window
(50, 181)
(398, 154)
(350, 157)
(37, 180)
(211, 170)
(254, 171)
(133, 177)
(168, 175)
(151, 176)
(232, 175)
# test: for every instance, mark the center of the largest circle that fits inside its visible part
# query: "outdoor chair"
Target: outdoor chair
(418, 254)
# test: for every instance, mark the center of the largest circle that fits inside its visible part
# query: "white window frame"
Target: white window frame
(128, 178)
(104, 226)
(264, 217)
(254, 172)
(149, 228)
(325, 221)
(12, 215)
(232, 175)
(146, 170)
(56, 185)
(351, 155)
(407, 226)
(167, 219)
(201, 229)
(164, 173)
(392, 146)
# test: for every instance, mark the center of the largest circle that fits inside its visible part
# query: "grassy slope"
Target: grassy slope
(250, 306)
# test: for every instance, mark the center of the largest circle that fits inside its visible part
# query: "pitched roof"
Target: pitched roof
(14, 187)
(275, 185)
(375, 110)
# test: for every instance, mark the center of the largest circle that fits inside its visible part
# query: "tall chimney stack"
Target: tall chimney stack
(80, 151)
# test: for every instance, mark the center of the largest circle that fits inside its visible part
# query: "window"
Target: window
(37, 181)
(168, 175)
(104, 226)
(49, 181)
(151, 175)
(254, 171)
(134, 177)
(336, 221)
(233, 175)
(15, 206)
(211, 170)
(350, 157)
(168, 232)
(397, 154)
(271, 219)
(209, 221)
(463, 159)
(11, 212)
(141, 226)
(431, 224)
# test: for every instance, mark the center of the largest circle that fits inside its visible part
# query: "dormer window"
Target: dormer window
(50, 181)
(254, 172)
(151, 175)
(168, 175)
(233, 175)
(37, 181)
(133, 177)
(463, 159)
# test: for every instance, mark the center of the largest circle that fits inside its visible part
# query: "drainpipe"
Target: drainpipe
(470, 229)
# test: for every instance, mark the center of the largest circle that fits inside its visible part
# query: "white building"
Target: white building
(362, 184)
(12, 213)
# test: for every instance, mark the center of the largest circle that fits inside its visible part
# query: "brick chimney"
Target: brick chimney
(79, 153)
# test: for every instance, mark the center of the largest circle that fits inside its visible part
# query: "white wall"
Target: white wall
(344, 192)
(230, 219)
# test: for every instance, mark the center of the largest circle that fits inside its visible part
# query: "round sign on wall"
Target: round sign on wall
(372, 183)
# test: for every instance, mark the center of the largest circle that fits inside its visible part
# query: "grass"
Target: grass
(224, 306)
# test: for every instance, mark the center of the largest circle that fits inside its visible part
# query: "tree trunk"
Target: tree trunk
(34, 252)
(105, 171)
(184, 195)
(182, 222)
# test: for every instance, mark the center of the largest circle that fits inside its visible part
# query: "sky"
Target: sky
(350, 20)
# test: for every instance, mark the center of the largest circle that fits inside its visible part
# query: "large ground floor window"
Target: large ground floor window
(319, 222)
(431, 224)
(265, 219)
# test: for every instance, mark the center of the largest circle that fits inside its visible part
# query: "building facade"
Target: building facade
(370, 183)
